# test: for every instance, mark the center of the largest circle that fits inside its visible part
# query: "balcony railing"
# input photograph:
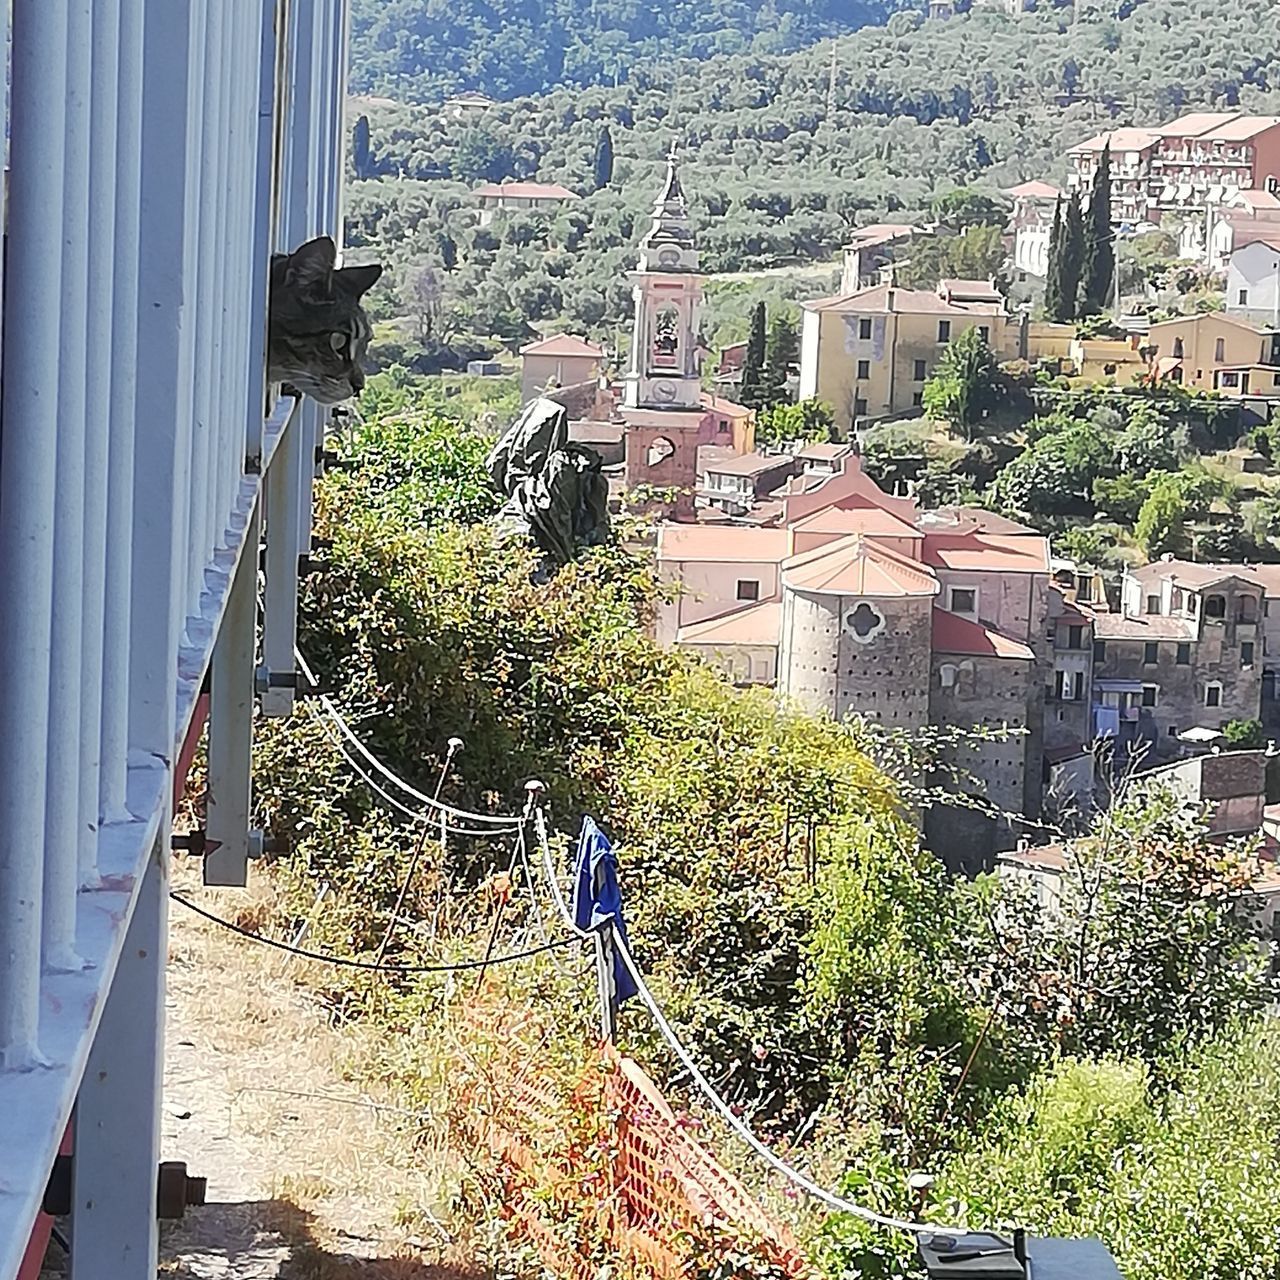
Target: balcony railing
(158, 151)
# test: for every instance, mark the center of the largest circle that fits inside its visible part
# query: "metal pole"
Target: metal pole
(27, 479)
(231, 721)
(62, 788)
(101, 229)
(117, 1116)
(279, 626)
(604, 984)
(120, 419)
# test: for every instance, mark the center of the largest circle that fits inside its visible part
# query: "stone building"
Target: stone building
(1183, 651)
(856, 603)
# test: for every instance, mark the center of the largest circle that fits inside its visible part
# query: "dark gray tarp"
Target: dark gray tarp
(556, 494)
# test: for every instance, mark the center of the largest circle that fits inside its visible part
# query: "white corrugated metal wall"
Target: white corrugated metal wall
(158, 151)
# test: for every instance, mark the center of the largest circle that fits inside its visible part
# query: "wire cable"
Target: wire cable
(705, 1086)
(463, 966)
(506, 820)
(740, 1128)
(416, 815)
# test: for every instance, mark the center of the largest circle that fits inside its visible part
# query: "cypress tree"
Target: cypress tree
(1099, 247)
(753, 363)
(782, 353)
(604, 159)
(360, 148)
(1072, 256)
(1054, 306)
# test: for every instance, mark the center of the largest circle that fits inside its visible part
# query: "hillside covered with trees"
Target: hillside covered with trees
(778, 168)
(421, 52)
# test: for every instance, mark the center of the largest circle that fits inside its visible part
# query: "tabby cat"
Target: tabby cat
(318, 331)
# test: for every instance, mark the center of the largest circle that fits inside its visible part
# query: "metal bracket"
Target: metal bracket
(196, 843)
(262, 843)
(57, 1194)
(264, 680)
(176, 1189)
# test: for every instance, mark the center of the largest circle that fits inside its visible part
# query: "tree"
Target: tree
(1065, 265)
(782, 351)
(1099, 248)
(360, 157)
(1161, 524)
(751, 389)
(604, 159)
(424, 297)
(1055, 306)
(448, 251)
(1244, 735)
(965, 385)
(809, 420)
(967, 207)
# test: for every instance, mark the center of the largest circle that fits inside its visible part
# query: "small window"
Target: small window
(1213, 695)
(984, 333)
(1175, 599)
(1153, 604)
(964, 600)
(1075, 637)
(1193, 605)
(1150, 692)
(1243, 298)
(1246, 653)
(864, 369)
(1178, 348)
(1173, 731)
(1150, 653)
(859, 407)
(748, 589)
(1215, 607)
(1220, 350)
(1067, 685)
(1230, 379)
(921, 371)
(864, 328)
(1099, 651)
(947, 676)
(944, 330)
(917, 399)
(1184, 655)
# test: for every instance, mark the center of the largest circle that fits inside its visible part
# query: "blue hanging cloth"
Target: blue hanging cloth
(596, 898)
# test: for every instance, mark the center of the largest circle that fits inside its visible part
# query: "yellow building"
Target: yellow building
(1200, 351)
(868, 354)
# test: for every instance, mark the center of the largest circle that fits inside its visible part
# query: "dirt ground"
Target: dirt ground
(309, 1176)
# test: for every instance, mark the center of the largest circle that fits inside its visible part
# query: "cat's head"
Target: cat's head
(318, 331)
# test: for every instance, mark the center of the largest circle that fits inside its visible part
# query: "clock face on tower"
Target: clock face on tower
(664, 391)
(669, 258)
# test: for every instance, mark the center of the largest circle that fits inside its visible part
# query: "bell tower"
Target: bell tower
(662, 392)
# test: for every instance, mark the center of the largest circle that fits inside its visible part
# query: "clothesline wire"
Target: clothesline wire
(505, 820)
(346, 962)
(416, 815)
(705, 1086)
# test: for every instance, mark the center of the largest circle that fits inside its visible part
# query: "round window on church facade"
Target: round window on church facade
(864, 622)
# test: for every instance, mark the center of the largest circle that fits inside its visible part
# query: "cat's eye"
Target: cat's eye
(337, 341)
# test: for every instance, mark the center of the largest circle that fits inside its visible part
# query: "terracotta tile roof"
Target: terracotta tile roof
(824, 452)
(756, 624)
(986, 552)
(1257, 200)
(1120, 140)
(874, 521)
(719, 404)
(883, 299)
(963, 519)
(562, 344)
(1115, 626)
(1034, 190)
(1188, 573)
(1197, 124)
(526, 190)
(954, 634)
(855, 566)
(970, 291)
(1241, 129)
(730, 544)
(751, 464)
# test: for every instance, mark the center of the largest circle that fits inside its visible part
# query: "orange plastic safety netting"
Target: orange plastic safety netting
(605, 1173)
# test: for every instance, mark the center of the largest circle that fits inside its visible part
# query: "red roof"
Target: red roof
(954, 634)
(1034, 190)
(562, 344)
(526, 190)
(755, 624)
(856, 567)
(991, 553)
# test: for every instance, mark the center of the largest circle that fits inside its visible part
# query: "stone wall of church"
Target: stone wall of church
(848, 656)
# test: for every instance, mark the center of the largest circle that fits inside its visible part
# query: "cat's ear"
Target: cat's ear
(357, 281)
(310, 267)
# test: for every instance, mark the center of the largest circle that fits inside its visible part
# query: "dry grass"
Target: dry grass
(314, 1174)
